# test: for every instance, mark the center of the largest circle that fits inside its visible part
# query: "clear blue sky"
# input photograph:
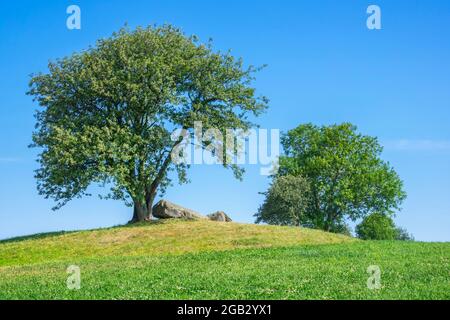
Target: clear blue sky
(324, 66)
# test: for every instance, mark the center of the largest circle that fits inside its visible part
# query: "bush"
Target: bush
(377, 226)
(403, 235)
(286, 203)
(342, 228)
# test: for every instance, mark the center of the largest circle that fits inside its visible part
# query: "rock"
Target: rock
(219, 216)
(168, 210)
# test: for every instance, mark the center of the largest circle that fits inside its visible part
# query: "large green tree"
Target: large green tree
(346, 175)
(108, 112)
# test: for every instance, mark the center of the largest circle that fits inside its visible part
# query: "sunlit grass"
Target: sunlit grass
(166, 237)
(211, 260)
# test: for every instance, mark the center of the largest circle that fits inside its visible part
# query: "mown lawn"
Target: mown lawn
(245, 270)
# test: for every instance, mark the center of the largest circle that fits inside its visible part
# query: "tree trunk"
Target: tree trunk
(149, 198)
(139, 212)
(143, 211)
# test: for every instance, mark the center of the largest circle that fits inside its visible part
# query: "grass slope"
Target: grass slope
(209, 260)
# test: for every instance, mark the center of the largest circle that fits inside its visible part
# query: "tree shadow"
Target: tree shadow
(36, 236)
(45, 235)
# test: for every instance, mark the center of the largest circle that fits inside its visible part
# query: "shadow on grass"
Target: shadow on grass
(36, 236)
(60, 233)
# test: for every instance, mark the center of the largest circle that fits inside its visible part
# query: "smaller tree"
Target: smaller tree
(377, 226)
(403, 235)
(286, 203)
(348, 178)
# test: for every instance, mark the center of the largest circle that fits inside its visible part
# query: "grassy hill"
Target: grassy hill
(209, 260)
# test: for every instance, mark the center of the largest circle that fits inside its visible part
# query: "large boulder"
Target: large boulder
(168, 210)
(219, 216)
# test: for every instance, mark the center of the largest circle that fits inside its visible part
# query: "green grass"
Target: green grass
(209, 260)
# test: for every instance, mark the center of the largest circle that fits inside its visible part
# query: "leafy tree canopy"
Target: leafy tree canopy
(347, 177)
(376, 226)
(403, 235)
(286, 203)
(108, 112)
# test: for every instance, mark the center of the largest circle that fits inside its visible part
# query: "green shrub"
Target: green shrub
(377, 226)
(403, 235)
(286, 203)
